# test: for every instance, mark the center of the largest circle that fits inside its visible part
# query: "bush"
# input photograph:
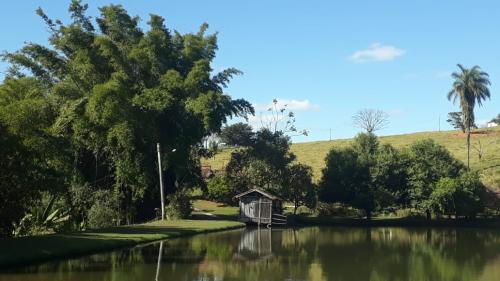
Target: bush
(337, 210)
(179, 206)
(462, 196)
(104, 210)
(219, 190)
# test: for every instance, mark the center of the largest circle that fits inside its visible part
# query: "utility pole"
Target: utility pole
(161, 183)
(330, 134)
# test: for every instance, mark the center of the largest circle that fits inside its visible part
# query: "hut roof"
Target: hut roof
(266, 194)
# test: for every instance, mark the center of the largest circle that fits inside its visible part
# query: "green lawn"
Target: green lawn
(220, 211)
(314, 153)
(26, 250)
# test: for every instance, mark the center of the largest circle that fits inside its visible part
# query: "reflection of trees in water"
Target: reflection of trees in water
(295, 254)
(402, 254)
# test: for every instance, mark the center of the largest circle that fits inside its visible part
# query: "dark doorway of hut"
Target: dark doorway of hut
(261, 208)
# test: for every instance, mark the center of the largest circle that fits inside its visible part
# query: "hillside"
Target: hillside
(313, 153)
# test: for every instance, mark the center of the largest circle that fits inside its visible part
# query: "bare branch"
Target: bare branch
(371, 120)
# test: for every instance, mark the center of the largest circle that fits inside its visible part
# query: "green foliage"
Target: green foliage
(264, 164)
(300, 189)
(104, 210)
(471, 86)
(496, 119)
(179, 205)
(456, 121)
(44, 217)
(459, 197)
(428, 163)
(239, 134)
(389, 174)
(89, 109)
(346, 179)
(219, 190)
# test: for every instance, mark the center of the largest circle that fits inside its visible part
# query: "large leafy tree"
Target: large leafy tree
(264, 164)
(428, 162)
(300, 189)
(471, 87)
(346, 179)
(118, 90)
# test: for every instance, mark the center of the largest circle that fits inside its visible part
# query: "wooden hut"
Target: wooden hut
(258, 206)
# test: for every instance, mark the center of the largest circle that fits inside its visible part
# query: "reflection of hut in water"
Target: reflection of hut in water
(258, 206)
(255, 243)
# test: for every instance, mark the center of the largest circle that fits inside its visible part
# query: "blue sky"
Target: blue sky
(326, 59)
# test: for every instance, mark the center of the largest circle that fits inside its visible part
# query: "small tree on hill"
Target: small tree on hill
(239, 134)
(371, 120)
(496, 119)
(456, 120)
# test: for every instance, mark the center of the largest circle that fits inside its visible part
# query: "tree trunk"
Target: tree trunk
(368, 214)
(428, 214)
(468, 147)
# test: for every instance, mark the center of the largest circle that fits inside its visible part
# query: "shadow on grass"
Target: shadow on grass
(25, 251)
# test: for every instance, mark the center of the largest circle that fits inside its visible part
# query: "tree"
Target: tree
(280, 119)
(263, 164)
(371, 120)
(460, 196)
(496, 119)
(470, 87)
(112, 91)
(428, 162)
(456, 120)
(390, 177)
(300, 189)
(219, 190)
(239, 134)
(346, 179)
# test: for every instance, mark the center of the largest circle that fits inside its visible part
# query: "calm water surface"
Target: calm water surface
(347, 254)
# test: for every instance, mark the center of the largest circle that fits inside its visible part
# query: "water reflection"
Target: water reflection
(293, 254)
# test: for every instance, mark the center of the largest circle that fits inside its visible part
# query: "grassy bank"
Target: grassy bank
(488, 140)
(395, 222)
(27, 250)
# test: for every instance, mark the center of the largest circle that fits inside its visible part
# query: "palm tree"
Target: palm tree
(470, 87)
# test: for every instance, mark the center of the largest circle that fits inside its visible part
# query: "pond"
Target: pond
(312, 253)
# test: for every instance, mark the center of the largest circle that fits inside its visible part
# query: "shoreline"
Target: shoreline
(32, 250)
(395, 222)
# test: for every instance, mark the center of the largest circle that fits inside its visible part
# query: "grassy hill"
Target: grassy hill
(313, 153)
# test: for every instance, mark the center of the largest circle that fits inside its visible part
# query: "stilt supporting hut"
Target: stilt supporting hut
(260, 207)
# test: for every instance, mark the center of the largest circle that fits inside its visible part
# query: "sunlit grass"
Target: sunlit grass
(25, 250)
(314, 153)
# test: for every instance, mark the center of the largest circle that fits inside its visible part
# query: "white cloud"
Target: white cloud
(377, 52)
(293, 105)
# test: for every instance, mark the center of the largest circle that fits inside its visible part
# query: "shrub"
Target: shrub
(219, 190)
(462, 196)
(179, 206)
(104, 210)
